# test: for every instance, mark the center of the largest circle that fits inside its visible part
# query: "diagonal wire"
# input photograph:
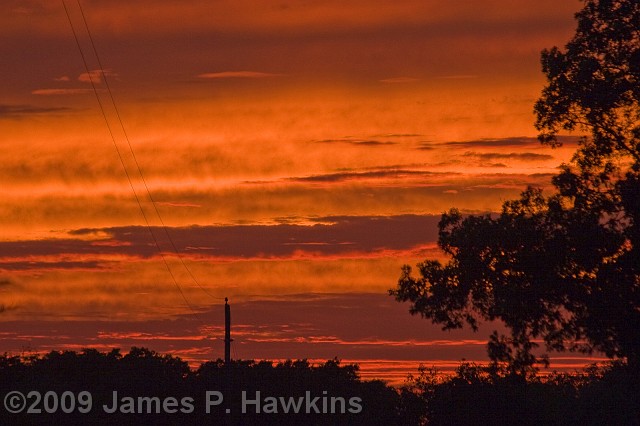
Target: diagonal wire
(104, 115)
(135, 159)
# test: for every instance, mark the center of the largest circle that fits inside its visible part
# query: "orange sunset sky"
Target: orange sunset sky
(298, 153)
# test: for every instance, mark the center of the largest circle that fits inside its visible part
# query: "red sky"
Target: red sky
(299, 153)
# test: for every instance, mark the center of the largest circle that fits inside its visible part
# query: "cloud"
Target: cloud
(341, 235)
(376, 174)
(399, 80)
(57, 92)
(523, 156)
(15, 111)
(96, 76)
(47, 266)
(458, 77)
(328, 237)
(178, 204)
(238, 74)
(387, 344)
(328, 15)
(357, 142)
(519, 141)
(398, 135)
(426, 146)
(97, 206)
(367, 342)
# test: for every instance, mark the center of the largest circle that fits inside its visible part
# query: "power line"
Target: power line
(137, 198)
(135, 158)
(164, 227)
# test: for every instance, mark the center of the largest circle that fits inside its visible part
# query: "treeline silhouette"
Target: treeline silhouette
(297, 392)
(312, 394)
(485, 395)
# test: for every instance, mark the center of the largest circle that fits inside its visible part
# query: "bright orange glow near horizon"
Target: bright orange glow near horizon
(297, 154)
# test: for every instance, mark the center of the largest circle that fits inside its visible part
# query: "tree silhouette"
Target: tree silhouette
(154, 377)
(563, 268)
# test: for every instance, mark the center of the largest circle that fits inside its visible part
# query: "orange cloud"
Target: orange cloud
(400, 80)
(57, 92)
(322, 182)
(96, 76)
(238, 74)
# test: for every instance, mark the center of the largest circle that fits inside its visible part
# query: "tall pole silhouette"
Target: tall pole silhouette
(227, 332)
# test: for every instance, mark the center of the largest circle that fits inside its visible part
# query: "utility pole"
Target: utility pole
(228, 386)
(227, 332)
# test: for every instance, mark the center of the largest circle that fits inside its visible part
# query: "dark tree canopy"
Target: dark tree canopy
(154, 377)
(564, 268)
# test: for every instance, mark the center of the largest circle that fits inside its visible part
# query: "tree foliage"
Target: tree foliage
(143, 373)
(477, 395)
(564, 268)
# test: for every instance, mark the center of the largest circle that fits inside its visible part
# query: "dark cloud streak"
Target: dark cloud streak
(375, 174)
(330, 236)
(523, 156)
(357, 142)
(518, 141)
(18, 111)
(34, 265)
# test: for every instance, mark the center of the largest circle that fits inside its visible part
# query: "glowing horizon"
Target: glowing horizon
(297, 149)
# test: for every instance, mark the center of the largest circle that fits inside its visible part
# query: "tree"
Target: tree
(564, 268)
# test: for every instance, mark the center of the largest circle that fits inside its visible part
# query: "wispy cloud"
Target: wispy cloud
(523, 156)
(458, 77)
(49, 266)
(426, 146)
(519, 141)
(96, 76)
(398, 135)
(238, 74)
(178, 204)
(357, 142)
(329, 236)
(364, 175)
(399, 80)
(386, 345)
(57, 92)
(13, 111)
